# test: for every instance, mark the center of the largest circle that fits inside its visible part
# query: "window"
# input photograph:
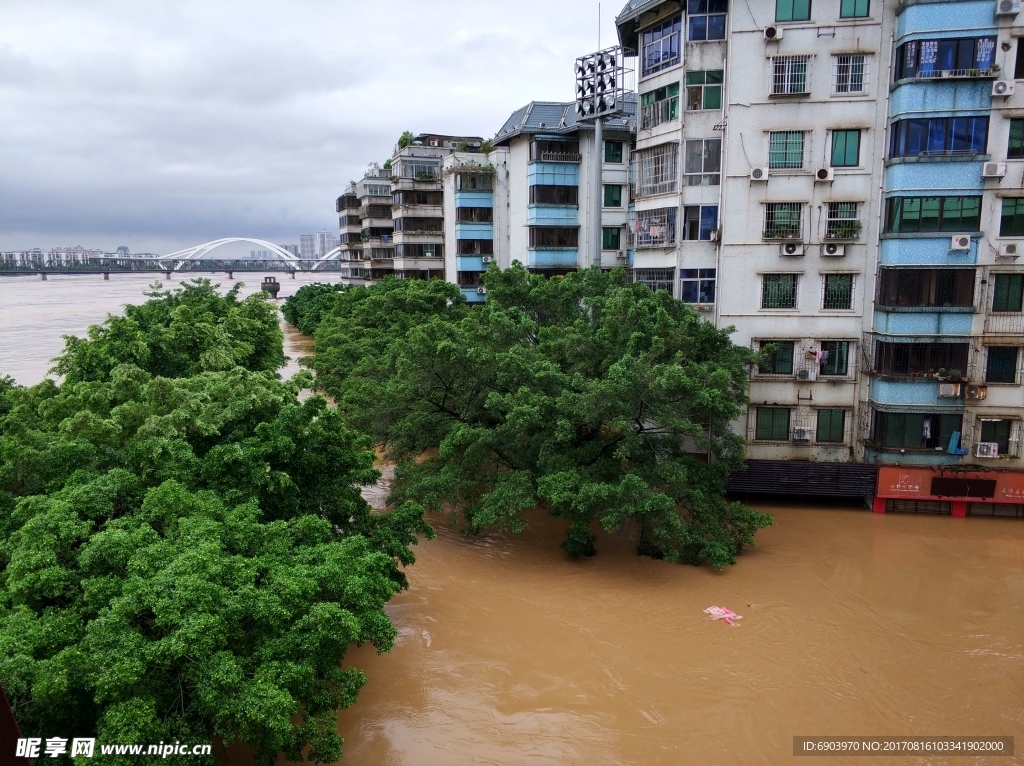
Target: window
(554, 237)
(707, 19)
(407, 223)
(554, 151)
(780, 361)
(612, 195)
(786, 150)
(923, 214)
(660, 46)
(831, 425)
(1018, 69)
(550, 194)
(772, 424)
(656, 279)
(699, 220)
(854, 9)
(782, 220)
(1012, 222)
(475, 246)
(704, 89)
(845, 148)
(611, 236)
(655, 228)
(378, 190)
(925, 288)
(613, 151)
(939, 136)
(835, 357)
(843, 220)
(1015, 149)
(658, 106)
(469, 278)
(778, 291)
(697, 285)
(837, 292)
(789, 75)
(474, 214)
(416, 250)
(792, 10)
(850, 73)
(474, 181)
(949, 57)
(1008, 292)
(1001, 366)
(658, 169)
(915, 430)
(997, 431)
(703, 160)
(424, 171)
(919, 359)
(410, 198)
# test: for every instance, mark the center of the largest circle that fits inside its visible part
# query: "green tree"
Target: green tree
(310, 304)
(405, 139)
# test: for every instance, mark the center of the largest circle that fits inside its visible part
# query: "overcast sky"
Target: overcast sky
(160, 124)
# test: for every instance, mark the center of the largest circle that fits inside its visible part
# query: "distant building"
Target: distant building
(122, 250)
(293, 249)
(307, 245)
(325, 242)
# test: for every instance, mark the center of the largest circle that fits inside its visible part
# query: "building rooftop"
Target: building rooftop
(558, 117)
(626, 21)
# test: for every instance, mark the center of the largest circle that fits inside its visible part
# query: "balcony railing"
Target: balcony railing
(1005, 323)
(655, 114)
(958, 73)
(560, 157)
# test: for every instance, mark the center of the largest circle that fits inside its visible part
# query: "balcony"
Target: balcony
(560, 157)
(653, 115)
(954, 74)
(1004, 323)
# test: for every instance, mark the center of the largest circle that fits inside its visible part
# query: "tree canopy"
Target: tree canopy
(188, 555)
(596, 399)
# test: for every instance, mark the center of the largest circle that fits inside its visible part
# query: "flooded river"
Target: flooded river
(853, 624)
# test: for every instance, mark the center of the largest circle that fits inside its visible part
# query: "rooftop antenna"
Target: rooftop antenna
(599, 26)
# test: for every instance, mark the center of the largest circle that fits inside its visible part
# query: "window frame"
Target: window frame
(658, 169)
(707, 14)
(898, 205)
(782, 144)
(674, 27)
(829, 424)
(843, 4)
(779, 364)
(793, 289)
(790, 71)
(832, 293)
(845, 133)
(773, 424)
(837, 365)
(704, 88)
(857, 69)
(777, 221)
(842, 227)
(1014, 287)
(643, 233)
(551, 194)
(705, 281)
(1015, 217)
(605, 231)
(926, 130)
(706, 219)
(792, 12)
(610, 152)
(617, 196)
(1008, 372)
(990, 425)
(659, 106)
(710, 172)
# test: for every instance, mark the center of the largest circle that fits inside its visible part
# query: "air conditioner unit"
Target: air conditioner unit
(772, 34)
(824, 175)
(801, 434)
(808, 376)
(832, 249)
(976, 392)
(486, 259)
(960, 242)
(435, 143)
(792, 248)
(949, 390)
(759, 174)
(703, 307)
(715, 235)
(993, 170)
(1009, 248)
(1007, 8)
(1002, 88)
(621, 256)
(481, 291)
(986, 449)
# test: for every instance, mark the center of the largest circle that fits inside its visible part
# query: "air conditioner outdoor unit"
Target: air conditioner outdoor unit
(824, 175)
(703, 307)
(486, 259)
(832, 249)
(715, 235)
(481, 291)
(1009, 248)
(792, 248)
(960, 242)
(801, 434)
(976, 392)
(1007, 8)
(435, 143)
(986, 449)
(759, 174)
(1002, 88)
(808, 375)
(949, 390)
(620, 255)
(772, 34)
(993, 170)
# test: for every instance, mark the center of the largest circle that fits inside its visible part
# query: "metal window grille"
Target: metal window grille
(703, 163)
(659, 169)
(779, 291)
(657, 112)
(790, 75)
(837, 292)
(656, 279)
(843, 221)
(789, 150)
(653, 228)
(850, 73)
(783, 220)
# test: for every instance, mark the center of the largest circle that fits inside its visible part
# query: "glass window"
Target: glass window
(655, 228)
(552, 194)
(792, 10)
(940, 135)
(854, 9)
(706, 19)
(658, 169)
(838, 292)
(949, 57)
(843, 220)
(704, 89)
(845, 148)
(1018, 69)
(474, 214)
(613, 151)
(656, 279)
(611, 237)
(1015, 150)
(778, 291)
(660, 46)
(1012, 222)
(554, 237)
(703, 162)
(780, 361)
(772, 424)
(1008, 292)
(924, 214)
(1001, 366)
(697, 285)
(831, 426)
(699, 221)
(786, 149)
(923, 288)
(613, 195)
(789, 75)
(782, 220)
(659, 105)
(915, 430)
(997, 431)
(849, 73)
(835, 357)
(554, 151)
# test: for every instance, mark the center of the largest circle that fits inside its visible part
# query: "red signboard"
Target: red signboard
(917, 483)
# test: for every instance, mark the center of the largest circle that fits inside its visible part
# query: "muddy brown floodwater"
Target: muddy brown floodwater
(853, 624)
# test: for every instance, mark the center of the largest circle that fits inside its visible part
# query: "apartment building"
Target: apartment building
(365, 225)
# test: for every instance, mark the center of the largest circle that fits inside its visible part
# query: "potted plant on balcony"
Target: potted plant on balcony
(844, 230)
(956, 375)
(942, 374)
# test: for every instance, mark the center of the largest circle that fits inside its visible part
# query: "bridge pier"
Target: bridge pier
(106, 276)
(292, 272)
(167, 274)
(231, 275)
(42, 275)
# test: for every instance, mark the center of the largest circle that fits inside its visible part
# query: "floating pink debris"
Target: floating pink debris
(721, 613)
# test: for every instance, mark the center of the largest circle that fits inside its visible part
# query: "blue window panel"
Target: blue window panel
(560, 258)
(553, 173)
(472, 296)
(922, 392)
(469, 263)
(474, 231)
(552, 215)
(963, 18)
(925, 251)
(474, 199)
(708, 220)
(924, 323)
(954, 176)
